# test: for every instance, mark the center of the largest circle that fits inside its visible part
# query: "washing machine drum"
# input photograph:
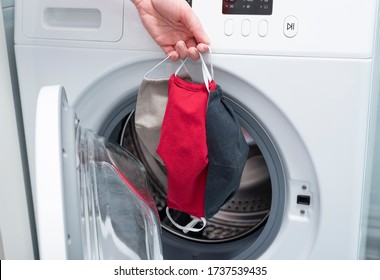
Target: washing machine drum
(243, 214)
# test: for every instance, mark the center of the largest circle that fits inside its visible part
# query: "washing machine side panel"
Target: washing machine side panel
(337, 141)
(327, 102)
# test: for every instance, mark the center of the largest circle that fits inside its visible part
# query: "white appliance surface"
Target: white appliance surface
(306, 73)
(16, 242)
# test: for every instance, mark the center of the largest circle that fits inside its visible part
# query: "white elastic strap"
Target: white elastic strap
(161, 62)
(211, 65)
(182, 65)
(207, 78)
(190, 226)
(157, 65)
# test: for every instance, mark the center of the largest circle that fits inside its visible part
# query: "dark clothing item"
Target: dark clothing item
(227, 153)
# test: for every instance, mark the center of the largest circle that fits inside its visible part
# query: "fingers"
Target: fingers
(202, 48)
(173, 56)
(186, 49)
(183, 50)
(190, 49)
(193, 53)
(180, 50)
(170, 51)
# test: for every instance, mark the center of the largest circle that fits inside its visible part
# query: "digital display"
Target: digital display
(247, 7)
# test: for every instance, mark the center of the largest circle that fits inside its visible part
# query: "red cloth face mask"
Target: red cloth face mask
(183, 145)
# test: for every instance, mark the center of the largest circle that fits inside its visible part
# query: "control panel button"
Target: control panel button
(290, 26)
(229, 27)
(245, 27)
(263, 28)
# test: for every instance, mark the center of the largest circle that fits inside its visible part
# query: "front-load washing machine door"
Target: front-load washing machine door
(91, 198)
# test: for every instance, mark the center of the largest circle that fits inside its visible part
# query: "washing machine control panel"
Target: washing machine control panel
(247, 7)
(291, 28)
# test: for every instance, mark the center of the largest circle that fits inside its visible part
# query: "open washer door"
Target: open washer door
(92, 200)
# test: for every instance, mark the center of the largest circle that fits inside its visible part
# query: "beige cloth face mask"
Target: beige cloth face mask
(151, 104)
(150, 110)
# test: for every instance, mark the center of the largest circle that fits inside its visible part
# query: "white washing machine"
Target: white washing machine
(303, 78)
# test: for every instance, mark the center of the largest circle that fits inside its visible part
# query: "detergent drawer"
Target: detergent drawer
(86, 20)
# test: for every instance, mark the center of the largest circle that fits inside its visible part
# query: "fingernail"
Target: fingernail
(193, 54)
(174, 56)
(203, 48)
(181, 45)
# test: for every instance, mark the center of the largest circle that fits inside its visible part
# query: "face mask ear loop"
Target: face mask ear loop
(205, 73)
(193, 223)
(182, 65)
(156, 66)
(207, 76)
(211, 64)
(161, 62)
(189, 226)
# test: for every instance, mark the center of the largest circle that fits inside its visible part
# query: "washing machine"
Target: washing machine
(302, 77)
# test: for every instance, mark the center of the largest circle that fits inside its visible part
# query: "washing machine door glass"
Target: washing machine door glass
(92, 199)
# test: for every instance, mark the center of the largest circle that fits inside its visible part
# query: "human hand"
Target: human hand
(174, 26)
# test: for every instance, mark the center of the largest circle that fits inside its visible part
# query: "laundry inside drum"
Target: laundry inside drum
(246, 212)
